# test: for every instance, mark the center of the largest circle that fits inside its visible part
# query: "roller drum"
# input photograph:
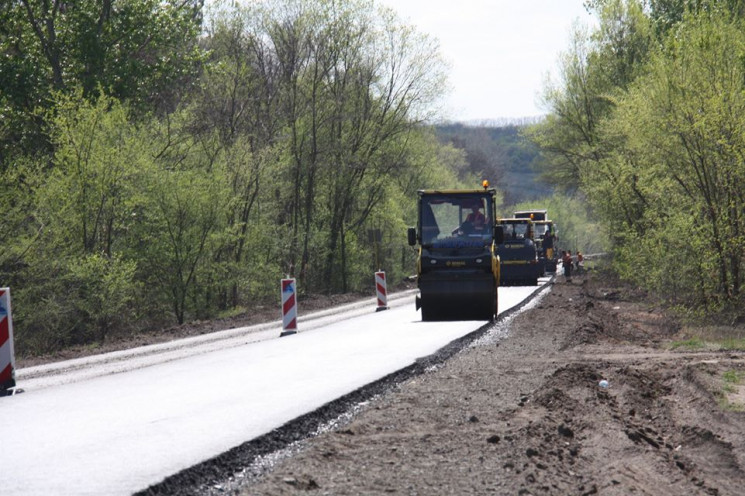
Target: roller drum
(458, 295)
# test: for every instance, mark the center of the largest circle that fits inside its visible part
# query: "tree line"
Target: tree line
(501, 154)
(162, 161)
(646, 123)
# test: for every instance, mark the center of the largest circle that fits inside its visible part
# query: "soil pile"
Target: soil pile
(522, 411)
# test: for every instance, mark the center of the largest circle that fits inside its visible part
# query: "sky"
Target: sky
(499, 51)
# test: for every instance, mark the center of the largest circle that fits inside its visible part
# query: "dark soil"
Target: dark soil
(521, 412)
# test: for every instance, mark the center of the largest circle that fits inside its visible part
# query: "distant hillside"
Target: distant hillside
(500, 154)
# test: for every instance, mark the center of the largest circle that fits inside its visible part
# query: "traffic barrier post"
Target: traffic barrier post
(289, 307)
(381, 290)
(7, 354)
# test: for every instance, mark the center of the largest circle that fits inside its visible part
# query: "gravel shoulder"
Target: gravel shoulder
(520, 411)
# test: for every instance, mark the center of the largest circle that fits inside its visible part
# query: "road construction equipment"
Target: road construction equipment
(543, 228)
(457, 267)
(518, 253)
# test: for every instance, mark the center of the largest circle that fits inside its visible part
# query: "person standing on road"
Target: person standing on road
(548, 244)
(566, 262)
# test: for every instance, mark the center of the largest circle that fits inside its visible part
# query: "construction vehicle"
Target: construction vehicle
(517, 253)
(457, 266)
(547, 258)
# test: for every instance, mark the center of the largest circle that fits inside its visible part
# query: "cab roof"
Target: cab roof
(515, 220)
(489, 191)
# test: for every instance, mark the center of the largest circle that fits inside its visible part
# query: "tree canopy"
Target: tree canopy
(646, 123)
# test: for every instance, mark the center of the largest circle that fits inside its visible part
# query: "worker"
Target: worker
(580, 262)
(474, 221)
(566, 262)
(476, 217)
(548, 243)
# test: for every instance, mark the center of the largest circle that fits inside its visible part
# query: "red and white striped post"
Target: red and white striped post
(289, 307)
(7, 355)
(381, 290)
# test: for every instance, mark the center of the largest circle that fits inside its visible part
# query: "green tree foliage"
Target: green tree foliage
(184, 211)
(666, 14)
(510, 162)
(304, 133)
(74, 281)
(595, 67)
(691, 109)
(141, 51)
(666, 168)
(346, 82)
(86, 197)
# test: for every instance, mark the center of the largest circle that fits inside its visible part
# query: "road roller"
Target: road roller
(518, 253)
(457, 265)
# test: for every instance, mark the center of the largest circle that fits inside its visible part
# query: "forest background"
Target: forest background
(161, 161)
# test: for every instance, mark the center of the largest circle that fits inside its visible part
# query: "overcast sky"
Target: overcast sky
(500, 51)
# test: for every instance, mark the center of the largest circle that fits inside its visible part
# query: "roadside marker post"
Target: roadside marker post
(289, 307)
(381, 290)
(7, 354)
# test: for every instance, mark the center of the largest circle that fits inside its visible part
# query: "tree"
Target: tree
(581, 157)
(183, 216)
(685, 119)
(596, 67)
(374, 93)
(87, 196)
(141, 51)
(662, 161)
(348, 83)
(305, 130)
(75, 282)
(666, 14)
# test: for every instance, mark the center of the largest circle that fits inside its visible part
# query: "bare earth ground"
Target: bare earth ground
(521, 412)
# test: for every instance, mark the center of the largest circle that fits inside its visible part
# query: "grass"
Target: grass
(733, 344)
(719, 343)
(232, 312)
(733, 377)
(694, 343)
(718, 339)
(732, 380)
